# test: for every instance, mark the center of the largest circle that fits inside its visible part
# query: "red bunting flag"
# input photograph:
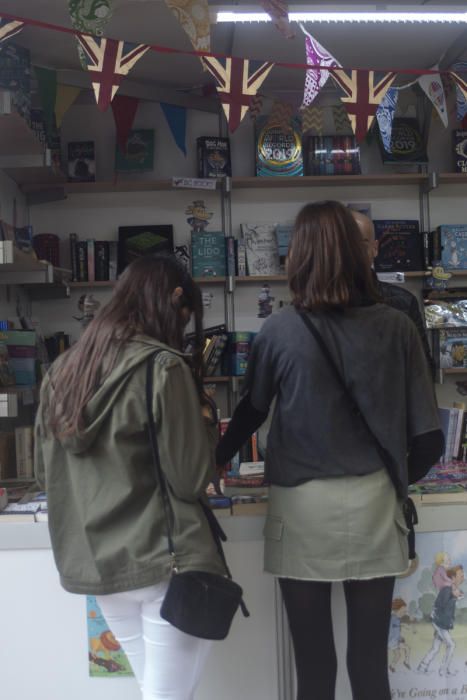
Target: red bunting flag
(364, 93)
(109, 61)
(238, 80)
(9, 27)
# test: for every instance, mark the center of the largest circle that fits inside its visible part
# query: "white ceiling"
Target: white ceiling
(150, 21)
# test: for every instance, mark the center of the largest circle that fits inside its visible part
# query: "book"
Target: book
(208, 254)
(262, 253)
(407, 143)
(22, 353)
(332, 155)
(113, 260)
(444, 308)
(138, 156)
(3, 498)
(252, 508)
(24, 445)
(91, 260)
(451, 347)
(283, 236)
(453, 240)
(249, 469)
(7, 374)
(137, 241)
(23, 238)
(213, 153)
(449, 417)
(400, 245)
(241, 258)
(7, 456)
(254, 487)
(231, 256)
(278, 148)
(101, 261)
(460, 150)
(19, 512)
(74, 257)
(81, 166)
(82, 258)
(238, 352)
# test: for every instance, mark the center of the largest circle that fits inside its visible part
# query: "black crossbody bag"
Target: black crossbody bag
(410, 512)
(196, 602)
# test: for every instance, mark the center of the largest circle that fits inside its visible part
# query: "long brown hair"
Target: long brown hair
(328, 264)
(142, 303)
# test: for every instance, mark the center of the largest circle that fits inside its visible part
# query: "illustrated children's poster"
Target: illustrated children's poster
(106, 657)
(427, 648)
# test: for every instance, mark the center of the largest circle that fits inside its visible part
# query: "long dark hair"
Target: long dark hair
(142, 303)
(328, 266)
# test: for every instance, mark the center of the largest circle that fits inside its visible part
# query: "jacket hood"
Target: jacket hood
(134, 354)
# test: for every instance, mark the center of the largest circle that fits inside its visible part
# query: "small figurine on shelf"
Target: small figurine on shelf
(198, 216)
(438, 278)
(182, 254)
(88, 307)
(265, 302)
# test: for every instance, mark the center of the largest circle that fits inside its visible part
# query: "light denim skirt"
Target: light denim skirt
(348, 527)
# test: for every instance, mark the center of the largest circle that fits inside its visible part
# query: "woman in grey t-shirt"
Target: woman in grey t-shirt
(335, 512)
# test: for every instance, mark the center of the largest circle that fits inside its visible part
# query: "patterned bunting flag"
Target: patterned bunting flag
(385, 116)
(9, 27)
(193, 15)
(312, 120)
(278, 10)
(364, 92)
(238, 80)
(341, 119)
(316, 78)
(256, 105)
(432, 86)
(281, 114)
(109, 61)
(461, 97)
(89, 18)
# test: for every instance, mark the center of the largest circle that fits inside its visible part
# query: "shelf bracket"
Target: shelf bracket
(432, 182)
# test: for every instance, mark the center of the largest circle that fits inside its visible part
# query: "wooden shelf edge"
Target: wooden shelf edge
(252, 279)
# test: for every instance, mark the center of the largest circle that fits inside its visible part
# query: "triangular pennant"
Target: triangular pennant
(316, 78)
(432, 86)
(89, 18)
(124, 111)
(312, 120)
(66, 95)
(47, 88)
(193, 15)
(9, 27)
(176, 119)
(341, 119)
(109, 61)
(364, 92)
(281, 114)
(278, 10)
(385, 116)
(461, 96)
(238, 80)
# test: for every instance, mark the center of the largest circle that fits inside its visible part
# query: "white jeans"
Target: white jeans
(167, 663)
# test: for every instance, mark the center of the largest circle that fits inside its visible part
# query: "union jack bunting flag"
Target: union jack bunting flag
(109, 61)
(461, 82)
(9, 27)
(363, 92)
(238, 80)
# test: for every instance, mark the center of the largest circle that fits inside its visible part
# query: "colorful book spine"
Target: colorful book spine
(82, 254)
(91, 260)
(113, 260)
(101, 262)
(74, 257)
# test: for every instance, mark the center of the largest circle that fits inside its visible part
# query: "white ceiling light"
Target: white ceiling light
(299, 14)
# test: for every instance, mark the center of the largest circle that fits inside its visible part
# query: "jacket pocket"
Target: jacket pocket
(273, 528)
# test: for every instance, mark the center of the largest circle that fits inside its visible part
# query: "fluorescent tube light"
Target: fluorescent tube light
(386, 17)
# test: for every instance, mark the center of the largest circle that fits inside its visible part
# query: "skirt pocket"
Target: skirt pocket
(272, 532)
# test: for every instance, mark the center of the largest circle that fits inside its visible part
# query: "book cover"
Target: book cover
(91, 260)
(101, 260)
(453, 240)
(241, 258)
(81, 165)
(23, 238)
(238, 352)
(278, 150)
(283, 235)
(136, 241)
(22, 353)
(208, 254)
(400, 245)
(452, 346)
(407, 144)
(332, 155)
(262, 255)
(7, 375)
(139, 154)
(213, 156)
(460, 150)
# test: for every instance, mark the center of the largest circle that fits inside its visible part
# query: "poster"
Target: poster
(427, 649)
(106, 657)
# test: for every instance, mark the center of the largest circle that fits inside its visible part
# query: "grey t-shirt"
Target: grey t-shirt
(314, 432)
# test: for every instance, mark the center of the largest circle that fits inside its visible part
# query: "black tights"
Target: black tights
(308, 605)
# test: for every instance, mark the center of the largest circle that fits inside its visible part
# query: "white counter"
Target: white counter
(44, 648)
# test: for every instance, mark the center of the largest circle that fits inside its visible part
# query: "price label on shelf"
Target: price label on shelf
(194, 183)
(391, 277)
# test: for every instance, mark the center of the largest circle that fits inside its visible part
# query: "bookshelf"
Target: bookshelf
(20, 268)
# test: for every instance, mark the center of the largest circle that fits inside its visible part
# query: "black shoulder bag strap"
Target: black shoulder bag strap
(410, 512)
(217, 532)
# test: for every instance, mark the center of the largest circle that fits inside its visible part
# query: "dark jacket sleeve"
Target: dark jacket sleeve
(245, 420)
(414, 312)
(425, 451)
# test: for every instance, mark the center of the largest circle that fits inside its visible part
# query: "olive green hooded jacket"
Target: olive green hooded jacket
(106, 519)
